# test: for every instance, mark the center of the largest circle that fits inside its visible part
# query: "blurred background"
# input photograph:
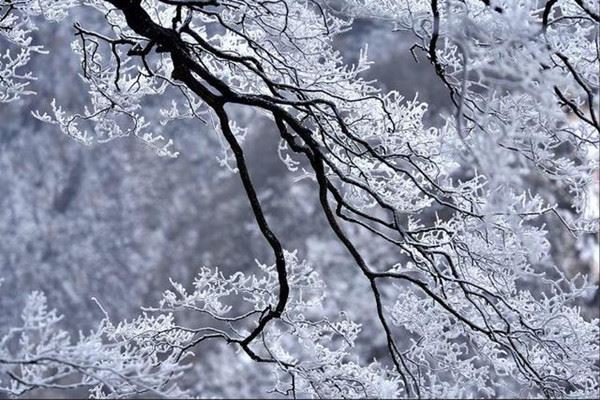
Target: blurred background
(115, 221)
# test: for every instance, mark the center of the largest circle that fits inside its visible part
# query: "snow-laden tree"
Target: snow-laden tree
(514, 69)
(38, 354)
(452, 301)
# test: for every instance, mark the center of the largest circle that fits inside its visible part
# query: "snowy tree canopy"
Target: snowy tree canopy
(468, 301)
